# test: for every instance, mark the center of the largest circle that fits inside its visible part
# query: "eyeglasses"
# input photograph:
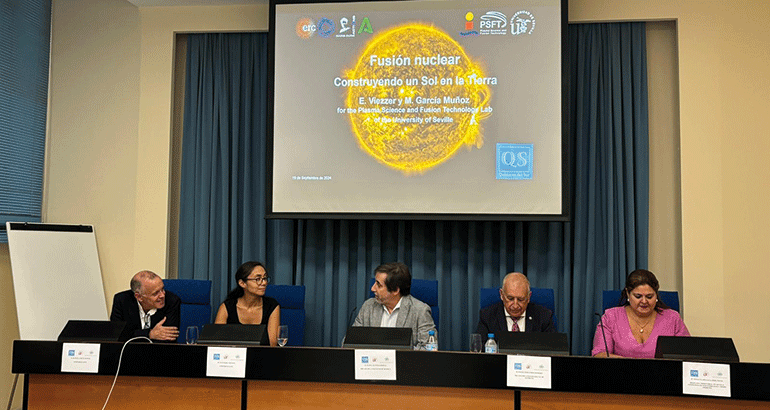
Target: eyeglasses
(265, 279)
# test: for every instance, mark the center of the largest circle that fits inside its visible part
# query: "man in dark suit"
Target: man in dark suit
(514, 312)
(147, 308)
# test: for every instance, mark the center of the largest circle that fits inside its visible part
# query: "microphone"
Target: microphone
(601, 324)
(350, 322)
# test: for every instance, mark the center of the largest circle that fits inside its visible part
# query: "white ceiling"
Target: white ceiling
(151, 3)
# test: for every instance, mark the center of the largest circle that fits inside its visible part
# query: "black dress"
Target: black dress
(268, 306)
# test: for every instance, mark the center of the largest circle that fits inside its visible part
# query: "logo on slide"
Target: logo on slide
(347, 27)
(469, 26)
(493, 23)
(514, 161)
(305, 28)
(326, 27)
(523, 22)
(366, 26)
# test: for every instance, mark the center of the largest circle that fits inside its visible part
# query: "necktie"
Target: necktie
(515, 327)
(146, 321)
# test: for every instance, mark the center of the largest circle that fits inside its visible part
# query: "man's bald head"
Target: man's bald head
(515, 277)
(140, 277)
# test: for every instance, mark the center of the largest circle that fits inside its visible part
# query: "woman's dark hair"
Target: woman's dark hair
(641, 277)
(398, 277)
(241, 274)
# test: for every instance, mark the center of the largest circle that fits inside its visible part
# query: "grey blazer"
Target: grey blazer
(412, 313)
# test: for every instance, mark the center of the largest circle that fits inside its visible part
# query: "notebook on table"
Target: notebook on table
(363, 337)
(94, 331)
(234, 335)
(533, 343)
(694, 348)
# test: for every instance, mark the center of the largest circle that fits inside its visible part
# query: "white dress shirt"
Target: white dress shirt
(389, 318)
(145, 318)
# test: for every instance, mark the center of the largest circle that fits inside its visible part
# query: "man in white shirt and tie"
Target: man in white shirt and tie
(514, 312)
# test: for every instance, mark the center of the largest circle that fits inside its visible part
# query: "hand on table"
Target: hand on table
(160, 332)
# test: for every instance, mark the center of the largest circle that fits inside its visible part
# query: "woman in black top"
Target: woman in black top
(247, 303)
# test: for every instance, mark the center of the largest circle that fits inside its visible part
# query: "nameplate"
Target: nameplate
(529, 371)
(375, 364)
(80, 357)
(226, 362)
(706, 379)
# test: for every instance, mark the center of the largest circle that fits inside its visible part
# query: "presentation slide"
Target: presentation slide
(417, 108)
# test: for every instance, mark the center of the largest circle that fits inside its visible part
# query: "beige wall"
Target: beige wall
(91, 169)
(665, 243)
(110, 135)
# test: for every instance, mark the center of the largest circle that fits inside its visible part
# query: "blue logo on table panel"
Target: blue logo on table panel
(364, 359)
(693, 373)
(514, 161)
(216, 356)
(70, 352)
(517, 366)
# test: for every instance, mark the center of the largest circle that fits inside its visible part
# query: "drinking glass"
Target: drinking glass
(191, 336)
(283, 335)
(475, 344)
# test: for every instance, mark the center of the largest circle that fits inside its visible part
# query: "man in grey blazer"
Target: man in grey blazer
(393, 306)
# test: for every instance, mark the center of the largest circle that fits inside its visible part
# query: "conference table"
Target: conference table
(173, 376)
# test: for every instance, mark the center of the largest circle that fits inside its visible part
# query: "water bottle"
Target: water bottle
(432, 344)
(491, 345)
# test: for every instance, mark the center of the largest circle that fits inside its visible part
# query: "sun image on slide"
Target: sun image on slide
(433, 121)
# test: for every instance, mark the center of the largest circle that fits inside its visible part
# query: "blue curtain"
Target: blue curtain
(223, 157)
(611, 165)
(221, 221)
(25, 42)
